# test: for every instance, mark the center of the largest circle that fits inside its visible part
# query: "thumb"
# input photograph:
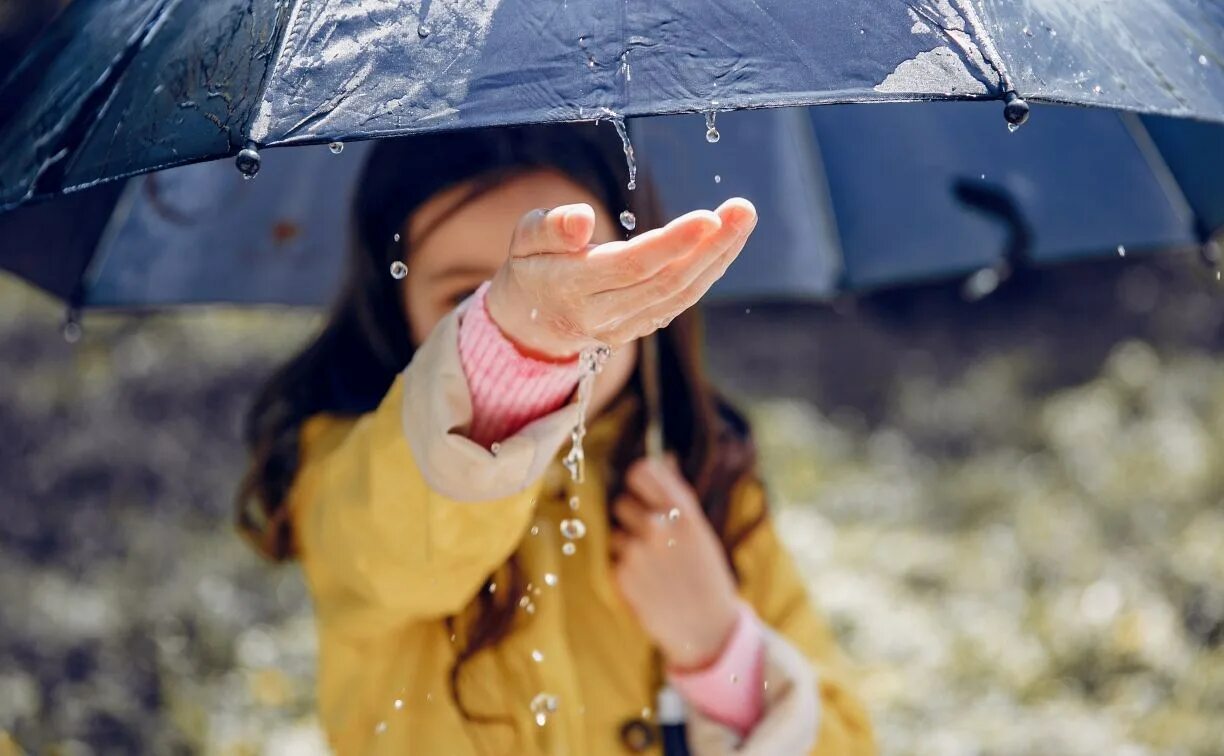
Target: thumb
(567, 228)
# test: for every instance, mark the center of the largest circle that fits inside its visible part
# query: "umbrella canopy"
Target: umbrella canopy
(120, 87)
(851, 198)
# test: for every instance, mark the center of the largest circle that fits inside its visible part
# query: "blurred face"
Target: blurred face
(449, 258)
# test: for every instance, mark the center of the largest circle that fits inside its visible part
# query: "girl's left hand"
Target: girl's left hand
(671, 568)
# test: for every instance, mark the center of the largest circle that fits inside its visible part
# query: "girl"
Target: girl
(472, 597)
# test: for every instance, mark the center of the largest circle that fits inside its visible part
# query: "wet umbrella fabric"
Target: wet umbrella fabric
(121, 87)
(851, 198)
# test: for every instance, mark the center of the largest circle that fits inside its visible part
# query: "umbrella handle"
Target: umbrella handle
(654, 403)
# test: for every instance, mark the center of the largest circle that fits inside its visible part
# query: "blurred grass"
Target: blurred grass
(1017, 564)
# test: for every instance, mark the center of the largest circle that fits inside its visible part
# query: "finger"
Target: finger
(567, 228)
(660, 315)
(643, 481)
(623, 263)
(618, 542)
(633, 516)
(686, 267)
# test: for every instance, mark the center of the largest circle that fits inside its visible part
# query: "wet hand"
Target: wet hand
(558, 293)
(670, 566)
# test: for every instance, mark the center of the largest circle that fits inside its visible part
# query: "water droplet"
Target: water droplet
(717, 179)
(574, 503)
(399, 704)
(983, 176)
(535, 313)
(624, 69)
(71, 331)
(526, 604)
(568, 548)
(495, 448)
(543, 705)
(423, 30)
(336, 147)
(248, 176)
(429, 697)
(535, 530)
(396, 238)
(537, 655)
(1013, 127)
(573, 528)
(712, 134)
(1028, 32)
(765, 686)
(628, 220)
(550, 579)
(747, 310)
(1121, 251)
(380, 728)
(399, 270)
(453, 638)
(492, 587)
(1096, 88)
(623, 132)
(647, 713)
(1202, 60)
(673, 514)
(734, 678)
(671, 543)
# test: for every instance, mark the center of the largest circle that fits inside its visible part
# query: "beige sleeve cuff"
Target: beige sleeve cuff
(437, 415)
(791, 716)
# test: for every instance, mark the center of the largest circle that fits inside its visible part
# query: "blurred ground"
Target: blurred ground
(1011, 512)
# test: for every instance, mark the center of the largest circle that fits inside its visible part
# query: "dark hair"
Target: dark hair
(350, 366)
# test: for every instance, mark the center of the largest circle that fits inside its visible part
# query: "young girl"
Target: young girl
(472, 597)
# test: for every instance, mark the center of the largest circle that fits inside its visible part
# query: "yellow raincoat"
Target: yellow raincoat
(400, 520)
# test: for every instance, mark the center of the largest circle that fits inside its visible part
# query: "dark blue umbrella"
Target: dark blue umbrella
(851, 198)
(121, 87)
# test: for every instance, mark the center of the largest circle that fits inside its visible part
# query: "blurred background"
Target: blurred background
(1011, 511)
(1009, 505)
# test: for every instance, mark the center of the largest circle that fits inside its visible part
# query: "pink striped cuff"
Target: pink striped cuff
(508, 388)
(731, 690)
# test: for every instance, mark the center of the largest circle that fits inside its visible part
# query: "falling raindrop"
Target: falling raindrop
(542, 706)
(574, 503)
(399, 704)
(712, 134)
(569, 548)
(550, 579)
(1202, 60)
(1121, 251)
(492, 587)
(671, 543)
(734, 678)
(573, 528)
(526, 604)
(380, 728)
(591, 362)
(537, 656)
(673, 514)
(336, 147)
(423, 30)
(628, 220)
(396, 238)
(535, 313)
(1096, 88)
(983, 176)
(71, 329)
(399, 270)
(535, 530)
(647, 713)
(623, 132)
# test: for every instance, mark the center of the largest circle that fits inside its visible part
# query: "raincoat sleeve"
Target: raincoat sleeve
(397, 515)
(810, 707)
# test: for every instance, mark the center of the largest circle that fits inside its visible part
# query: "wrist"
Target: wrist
(703, 649)
(522, 326)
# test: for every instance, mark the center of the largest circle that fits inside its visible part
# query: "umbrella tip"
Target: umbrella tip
(1015, 109)
(248, 160)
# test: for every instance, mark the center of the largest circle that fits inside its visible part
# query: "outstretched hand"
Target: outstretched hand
(558, 293)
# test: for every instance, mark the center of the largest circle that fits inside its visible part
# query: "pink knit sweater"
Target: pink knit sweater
(510, 389)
